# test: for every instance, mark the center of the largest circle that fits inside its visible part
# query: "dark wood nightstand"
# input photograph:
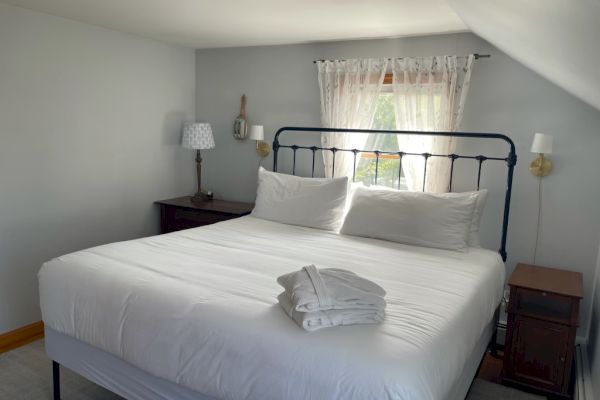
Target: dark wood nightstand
(183, 213)
(542, 323)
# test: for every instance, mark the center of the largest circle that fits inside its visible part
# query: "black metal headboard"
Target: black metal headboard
(510, 159)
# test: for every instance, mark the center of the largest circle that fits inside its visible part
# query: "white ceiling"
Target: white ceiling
(226, 23)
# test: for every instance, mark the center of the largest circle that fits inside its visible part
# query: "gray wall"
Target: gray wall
(89, 128)
(281, 85)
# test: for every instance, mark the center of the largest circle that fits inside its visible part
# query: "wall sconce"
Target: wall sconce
(542, 144)
(257, 133)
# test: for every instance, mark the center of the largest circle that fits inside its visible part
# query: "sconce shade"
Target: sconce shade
(542, 144)
(197, 136)
(257, 132)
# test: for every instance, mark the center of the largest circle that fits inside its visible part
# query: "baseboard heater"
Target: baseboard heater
(583, 382)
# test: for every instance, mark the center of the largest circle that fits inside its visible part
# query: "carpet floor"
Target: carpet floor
(25, 374)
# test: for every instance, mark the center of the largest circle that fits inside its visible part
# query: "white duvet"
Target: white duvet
(199, 308)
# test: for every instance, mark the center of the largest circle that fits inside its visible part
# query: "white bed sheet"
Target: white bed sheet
(198, 308)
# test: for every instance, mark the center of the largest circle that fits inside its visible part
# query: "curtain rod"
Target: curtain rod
(476, 56)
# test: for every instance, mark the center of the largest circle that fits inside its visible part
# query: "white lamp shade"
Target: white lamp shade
(542, 144)
(197, 136)
(257, 132)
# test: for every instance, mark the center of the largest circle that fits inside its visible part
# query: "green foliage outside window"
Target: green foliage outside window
(385, 118)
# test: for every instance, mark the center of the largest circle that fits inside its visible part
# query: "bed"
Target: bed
(193, 315)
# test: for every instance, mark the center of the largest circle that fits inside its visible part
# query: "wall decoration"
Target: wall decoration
(240, 127)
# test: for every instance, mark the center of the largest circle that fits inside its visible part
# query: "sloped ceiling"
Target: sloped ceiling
(559, 39)
(227, 23)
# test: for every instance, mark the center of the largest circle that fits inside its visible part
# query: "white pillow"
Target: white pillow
(422, 219)
(482, 195)
(312, 202)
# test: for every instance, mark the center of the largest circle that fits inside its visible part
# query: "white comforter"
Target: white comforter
(199, 308)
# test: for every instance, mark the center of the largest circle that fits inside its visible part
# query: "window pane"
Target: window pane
(387, 171)
(385, 117)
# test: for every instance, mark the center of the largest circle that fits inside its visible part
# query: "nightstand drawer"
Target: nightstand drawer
(542, 305)
(195, 218)
(183, 213)
(177, 219)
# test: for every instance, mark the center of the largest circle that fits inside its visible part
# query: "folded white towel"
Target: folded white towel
(311, 289)
(312, 321)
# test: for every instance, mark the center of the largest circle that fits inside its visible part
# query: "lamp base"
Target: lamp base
(541, 166)
(201, 197)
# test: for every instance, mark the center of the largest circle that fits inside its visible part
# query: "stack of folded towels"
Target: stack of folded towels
(321, 298)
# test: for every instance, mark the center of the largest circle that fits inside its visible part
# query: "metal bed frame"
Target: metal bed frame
(510, 159)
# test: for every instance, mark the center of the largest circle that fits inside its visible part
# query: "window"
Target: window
(385, 118)
(387, 171)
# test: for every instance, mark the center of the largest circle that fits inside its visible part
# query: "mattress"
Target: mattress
(198, 308)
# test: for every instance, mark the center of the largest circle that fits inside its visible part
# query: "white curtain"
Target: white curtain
(349, 91)
(430, 94)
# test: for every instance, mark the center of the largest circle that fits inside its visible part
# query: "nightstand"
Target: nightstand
(183, 213)
(542, 323)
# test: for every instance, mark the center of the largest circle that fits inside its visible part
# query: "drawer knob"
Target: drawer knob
(544, 294)
(562, 359)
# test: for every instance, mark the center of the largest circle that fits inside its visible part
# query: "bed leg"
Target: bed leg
(56, 380)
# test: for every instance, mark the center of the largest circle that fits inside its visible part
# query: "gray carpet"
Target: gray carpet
(25, 374)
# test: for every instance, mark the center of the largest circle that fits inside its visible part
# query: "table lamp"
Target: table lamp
(198, 136)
